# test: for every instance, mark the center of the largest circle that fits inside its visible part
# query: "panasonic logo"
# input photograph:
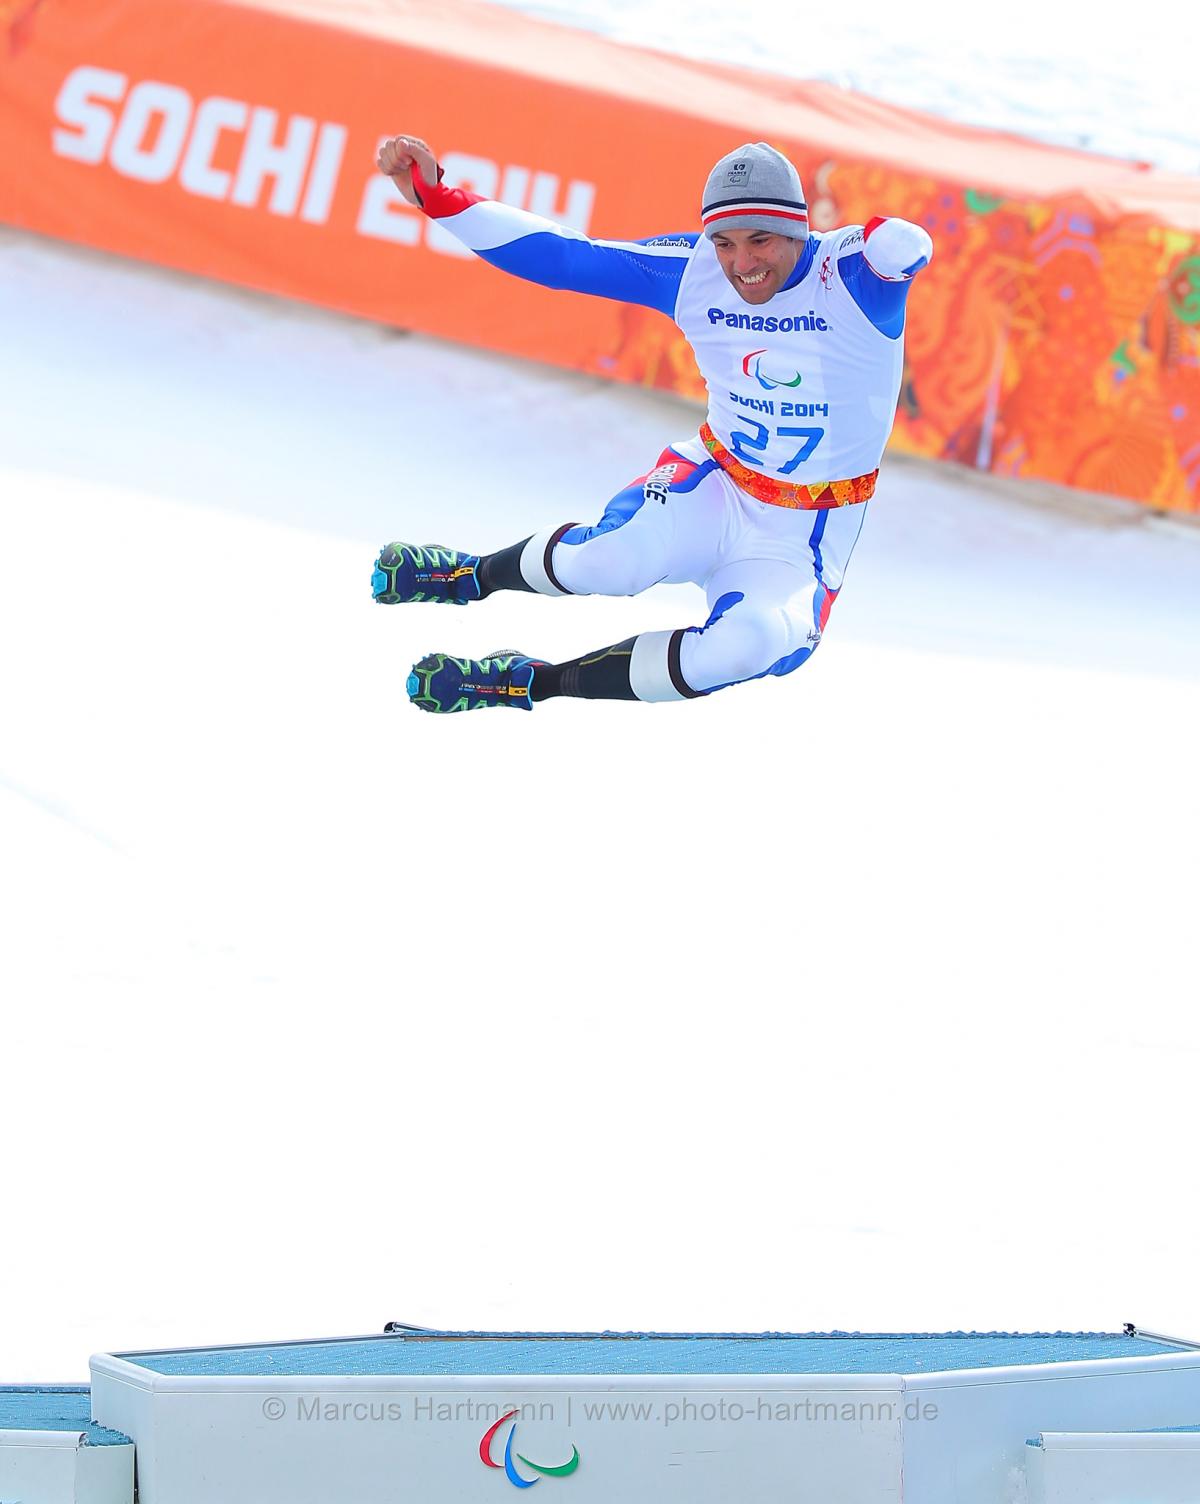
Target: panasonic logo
(762, 324)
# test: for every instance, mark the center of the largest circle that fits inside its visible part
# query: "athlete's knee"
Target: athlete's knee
(620, 555)
(572, 560)
(740, 644)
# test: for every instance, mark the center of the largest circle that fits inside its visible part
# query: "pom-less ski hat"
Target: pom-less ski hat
(755, 188)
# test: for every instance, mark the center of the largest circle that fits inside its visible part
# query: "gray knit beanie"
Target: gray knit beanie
(755, 188)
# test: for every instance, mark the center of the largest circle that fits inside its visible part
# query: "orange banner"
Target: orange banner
(1056, 334)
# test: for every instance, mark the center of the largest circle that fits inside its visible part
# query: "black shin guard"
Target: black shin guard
(502, 571)
(603, 675)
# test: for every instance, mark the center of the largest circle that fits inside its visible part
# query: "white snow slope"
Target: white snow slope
(862, 998)
(1042, 71)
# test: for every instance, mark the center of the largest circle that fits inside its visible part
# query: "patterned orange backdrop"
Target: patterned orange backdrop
(1042, 341)
(1056, 334)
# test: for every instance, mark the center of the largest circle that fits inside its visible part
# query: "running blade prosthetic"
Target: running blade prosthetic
(424, 572)
(443, 685)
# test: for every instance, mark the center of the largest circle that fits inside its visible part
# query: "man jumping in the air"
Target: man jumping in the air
(762, 508)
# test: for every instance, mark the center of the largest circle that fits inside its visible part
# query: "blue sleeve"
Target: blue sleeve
(881, 300)
(647, 272)
(527, 245)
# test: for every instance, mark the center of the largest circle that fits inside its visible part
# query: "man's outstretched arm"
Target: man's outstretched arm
(534, 248)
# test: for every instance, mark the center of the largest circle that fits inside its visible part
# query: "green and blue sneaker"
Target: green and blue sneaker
(442, 684)
(424, 572)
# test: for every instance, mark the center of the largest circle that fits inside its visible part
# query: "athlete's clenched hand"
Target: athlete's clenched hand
(399, 154)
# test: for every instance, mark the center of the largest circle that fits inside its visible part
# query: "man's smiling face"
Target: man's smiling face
(756, 262)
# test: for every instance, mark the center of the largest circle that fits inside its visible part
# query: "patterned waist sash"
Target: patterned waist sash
(782, 493)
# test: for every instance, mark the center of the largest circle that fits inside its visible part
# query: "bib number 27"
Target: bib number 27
(744, 442)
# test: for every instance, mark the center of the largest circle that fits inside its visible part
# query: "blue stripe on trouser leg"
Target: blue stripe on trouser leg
(648, 533)
(724, 603)
(616, 514)
(764, 626)
(622, 554)
(814, 542)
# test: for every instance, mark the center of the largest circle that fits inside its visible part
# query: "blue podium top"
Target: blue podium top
(504, 1354)
(54, 1407)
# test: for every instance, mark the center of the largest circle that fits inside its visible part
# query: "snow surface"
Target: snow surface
(864, 998)
(1095, 79)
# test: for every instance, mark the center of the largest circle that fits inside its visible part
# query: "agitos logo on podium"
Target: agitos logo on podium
(512, 1457)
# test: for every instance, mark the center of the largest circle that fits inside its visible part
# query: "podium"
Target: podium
(461, 1417)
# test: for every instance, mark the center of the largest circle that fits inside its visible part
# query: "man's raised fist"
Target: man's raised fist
(397, 157)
